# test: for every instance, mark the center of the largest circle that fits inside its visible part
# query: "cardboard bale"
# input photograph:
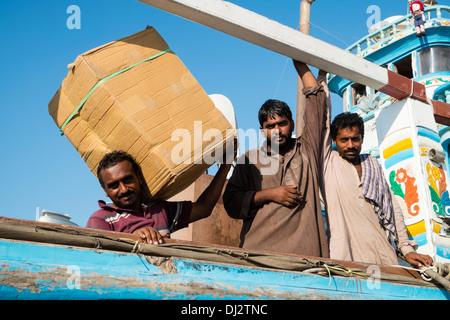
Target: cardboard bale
(120, 99)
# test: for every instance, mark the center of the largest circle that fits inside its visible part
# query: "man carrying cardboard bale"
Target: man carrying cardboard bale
(133, 94)
(121, 178)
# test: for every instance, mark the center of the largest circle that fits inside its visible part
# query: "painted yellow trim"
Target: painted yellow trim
(436, 226)
(424, 151)
(416, 228)
(397, 147)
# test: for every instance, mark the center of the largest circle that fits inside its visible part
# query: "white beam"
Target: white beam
(259, 30)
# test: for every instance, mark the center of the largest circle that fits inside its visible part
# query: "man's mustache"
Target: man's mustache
(126, 194)
(276, 136)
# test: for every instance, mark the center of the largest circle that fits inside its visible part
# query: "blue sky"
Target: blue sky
(40, 168)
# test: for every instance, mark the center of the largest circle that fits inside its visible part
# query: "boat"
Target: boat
(41, 260)
(45, 261)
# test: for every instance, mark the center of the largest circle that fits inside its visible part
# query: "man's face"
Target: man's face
(348, 142)
(278, 130)
(122, 185)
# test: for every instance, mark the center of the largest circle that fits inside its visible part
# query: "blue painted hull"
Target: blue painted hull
(30, 270)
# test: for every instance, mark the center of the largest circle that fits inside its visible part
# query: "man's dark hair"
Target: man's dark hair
(273, 107)
(346, 120)
(113, 158)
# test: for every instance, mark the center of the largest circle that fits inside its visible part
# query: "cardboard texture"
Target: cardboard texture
(138, 110)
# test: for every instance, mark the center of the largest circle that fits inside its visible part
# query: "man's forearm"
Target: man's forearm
(307, 77)
(205, 203)
(261, 198)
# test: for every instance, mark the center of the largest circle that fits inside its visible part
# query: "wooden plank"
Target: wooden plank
(73, 230)
(42, 271)
(259, 30)
(441, 112)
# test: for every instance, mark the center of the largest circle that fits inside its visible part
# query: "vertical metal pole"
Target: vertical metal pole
(305, 16)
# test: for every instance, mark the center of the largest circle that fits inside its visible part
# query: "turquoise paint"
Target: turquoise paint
(437, 35)
(442, 251)
(127, 276)
(440, 91)
(396, 51)
(399, 156)
(114, 275)
(428, 133)
(420, 238)
(433, 75)
(436, 10)
(400, 49)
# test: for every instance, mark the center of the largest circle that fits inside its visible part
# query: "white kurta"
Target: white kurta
(354, 230)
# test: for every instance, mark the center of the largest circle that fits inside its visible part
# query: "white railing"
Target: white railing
(385, 32)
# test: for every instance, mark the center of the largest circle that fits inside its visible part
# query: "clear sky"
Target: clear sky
(40, 168)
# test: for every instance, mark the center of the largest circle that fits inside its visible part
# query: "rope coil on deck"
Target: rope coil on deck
(439, 273)
(424, 274)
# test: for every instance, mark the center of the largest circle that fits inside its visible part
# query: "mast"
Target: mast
(305, 16)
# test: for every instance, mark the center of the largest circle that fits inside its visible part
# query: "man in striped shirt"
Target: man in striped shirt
(121, 179)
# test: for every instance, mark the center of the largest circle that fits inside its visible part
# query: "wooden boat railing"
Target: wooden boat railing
(43, 232)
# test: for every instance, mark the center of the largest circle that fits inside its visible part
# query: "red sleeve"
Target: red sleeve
(97, 222)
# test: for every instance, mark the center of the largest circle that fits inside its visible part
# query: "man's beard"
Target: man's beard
(276, 147)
